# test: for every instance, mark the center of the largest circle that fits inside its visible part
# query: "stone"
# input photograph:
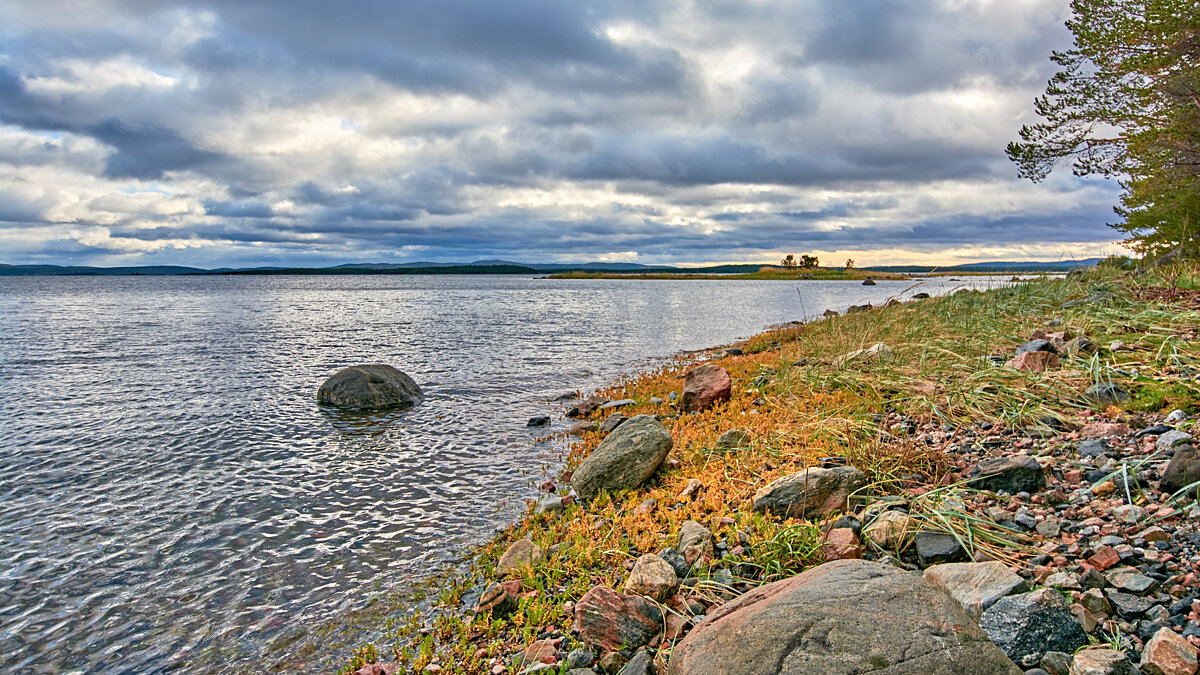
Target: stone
(1167, 653)
(934, 548)
(587, 406)
(876, 352)
(1029, 624)
(1080, 347)
(734, 439)
(810, 493)
(1101, 662)
(890, 530)
(705, 386)
(868, 282)
(640, 664)
(1034, 362)
(1056, 663)
(613, 405)
(846, 616)
(581, 427)
(378, 669)
(625, 459)
(611, 422)
(975, 586)
(1103, 429)
(610, 621)
(1129, 580)
(1104, 557)
(373, 385)
(1174, 416)
(689, 491)
(1172, 438)
(1092, 448)
(691, 534)
(580, 658)
(548, 505)
(521, 555)
(538, 421)
(1049, 528)
(1106, 393)
(1014, 473)
(1037, 346)
(1181, 471)
(499, 599)
(1128, 605)
(652, 577)
(841, 544)
(1099, 297)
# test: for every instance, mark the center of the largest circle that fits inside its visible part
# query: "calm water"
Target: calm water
(171, 490)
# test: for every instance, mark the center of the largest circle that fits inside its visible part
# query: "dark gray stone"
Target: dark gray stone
(640, 664)
(1030, 624)
(373, 385)
(1038, 346)
(1106, 393)
(1093, 448)
(1056, 663)
(1182, 470)
(1128, 605)
(612, 422)
(846, 616)
(1015, 473)
(934, 548)
(539, 421)
(580, 658)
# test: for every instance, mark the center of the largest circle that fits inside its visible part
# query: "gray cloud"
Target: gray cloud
(277, 133)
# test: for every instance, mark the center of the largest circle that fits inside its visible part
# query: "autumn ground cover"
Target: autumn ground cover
(888, 417)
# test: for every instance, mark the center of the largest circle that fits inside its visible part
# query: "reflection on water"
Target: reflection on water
(174, 496)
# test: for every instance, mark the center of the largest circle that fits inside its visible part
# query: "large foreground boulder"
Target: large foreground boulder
(846, 616)
(810, 493)
(625, 459)
(705, 386)
(372, 385)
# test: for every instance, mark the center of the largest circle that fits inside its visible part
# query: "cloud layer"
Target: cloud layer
(230, 133)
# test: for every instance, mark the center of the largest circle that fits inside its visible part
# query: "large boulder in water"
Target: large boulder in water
(372, 385)
(846, 616)
(626, 458)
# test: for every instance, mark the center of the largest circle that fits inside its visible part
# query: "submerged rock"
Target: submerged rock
(625, 459)
(846, 616)
(373, 385)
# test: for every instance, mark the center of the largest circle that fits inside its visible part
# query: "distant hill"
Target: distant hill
(509, 267)
(998, 266)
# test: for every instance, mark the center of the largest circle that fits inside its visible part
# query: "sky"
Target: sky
(312, 133)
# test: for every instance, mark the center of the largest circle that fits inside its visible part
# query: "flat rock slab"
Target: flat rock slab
(625, 459)
(846, 616)
(373, 385)
(976, 586)
(810, 493)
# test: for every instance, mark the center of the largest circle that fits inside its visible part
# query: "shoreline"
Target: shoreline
(573, 562)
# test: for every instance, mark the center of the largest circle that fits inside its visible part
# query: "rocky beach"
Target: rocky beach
(996, 481)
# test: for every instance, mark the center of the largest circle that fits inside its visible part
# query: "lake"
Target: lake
(173, 497)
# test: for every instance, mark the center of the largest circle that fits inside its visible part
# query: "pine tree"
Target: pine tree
(1126, 105)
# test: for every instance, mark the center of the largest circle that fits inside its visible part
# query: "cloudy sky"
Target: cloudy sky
(310, 132)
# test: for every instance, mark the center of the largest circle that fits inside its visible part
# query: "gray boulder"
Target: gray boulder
(625, 459)
(1015, 473)
(373, 385)
(1028, 625)
(846, 616)
(810, 493)
(1182, 470)
(1106, 393)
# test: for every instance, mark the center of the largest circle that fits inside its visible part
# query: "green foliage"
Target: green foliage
(1126, 104)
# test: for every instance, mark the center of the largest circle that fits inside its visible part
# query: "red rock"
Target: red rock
(1103, 430)
(540, 650)
(705, 386)
(1168, 654)
(1104, 558)
(1034, 362)
(611, 621)
(1073, 477)
(841, 544)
